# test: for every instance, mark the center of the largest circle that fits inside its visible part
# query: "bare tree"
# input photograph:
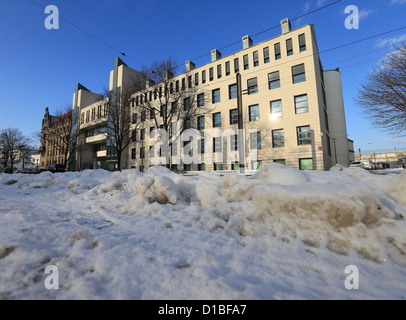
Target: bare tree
(163, 101)
(14, 145)
(383, 96)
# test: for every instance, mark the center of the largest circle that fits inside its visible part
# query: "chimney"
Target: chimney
(286, 26)
(149, 83)
(215, 55)
(189, 65)
(168, 75)
(246, 42)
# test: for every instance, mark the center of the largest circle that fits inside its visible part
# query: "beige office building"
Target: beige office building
(292, 110)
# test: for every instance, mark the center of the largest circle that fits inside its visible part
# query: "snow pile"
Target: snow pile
(279, 234)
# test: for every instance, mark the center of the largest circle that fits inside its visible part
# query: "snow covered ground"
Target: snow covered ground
(279, 234)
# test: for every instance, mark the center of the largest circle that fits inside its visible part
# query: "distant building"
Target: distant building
(55, 133)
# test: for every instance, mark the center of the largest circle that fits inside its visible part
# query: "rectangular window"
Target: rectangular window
(266, 54)
(201, 167)
(177, 86)
(255, 140)
(256, 165)
(289, 47)
(252, 86)
(200, 100)
(227, 68)
(142, 136)
(276, 109)
(303, 135)
(152, 113)
(245, 61)
(278, 140)
(200, 146)
(306, 164)
(204, 76)
(189, 82)
(211, 74)
(87, 116)
(183, 84)
(143, 115)
(236, 65)
(298, 73)
(134, 136)
(217, 120)
(233, 142)
(151, 151)
(218, 166)
(134, 118)
(232, 91)
(186, 104)
(163, 111)
(254, 113)
(302, 42)
(274, 80)
(170, 88)
(187, 123)
(133, 152)
(201, 124)
(219, 71)
(142, 152)
(217, 145)
(234, 116)
(196, 79)
(215, 96)
(256, 58)
(277, 51)
(301, 104)
(281, 161)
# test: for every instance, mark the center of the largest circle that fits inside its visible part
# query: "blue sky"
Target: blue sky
(39, 68)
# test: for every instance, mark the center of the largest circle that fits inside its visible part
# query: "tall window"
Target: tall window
(217, 144)
(227, 68)
(256, 58)
(204, 76)
(200, 100)
(211, 74)
(234, 116)
(134, 135)
(245, 61)
(142, 135)
(183, 85)
(303, 135)
(255, 140)
(236, 65)
(201, 123)
(189, 82)
(133, 152)
(142, 152)
(219, 71)
(278, 139)
(274, 80)
(277, 48)
(196, 79)
(298, 73)
(200, 146)
(217, 120)
(301, 104)
(233, 142)
(186, 104)
(276, 109)
(134, 118)
(232, 91)
(215, 96)
(174, 107)
(302, 42)
(163, 111)
(152, 113)
(266, 54)
(254, 113)
(252, 86)
(289, 47)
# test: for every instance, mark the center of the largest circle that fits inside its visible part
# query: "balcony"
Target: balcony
(99, 138)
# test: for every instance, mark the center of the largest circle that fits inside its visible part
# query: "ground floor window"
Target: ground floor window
(306, 164)
(281, 161)
(218, 166)
(201, 167)
(256, 165)
(187, 167)
(235, 166)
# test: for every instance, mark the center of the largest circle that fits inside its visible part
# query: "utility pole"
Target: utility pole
(240, 135)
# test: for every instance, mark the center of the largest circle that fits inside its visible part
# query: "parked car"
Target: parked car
(24, 170)
(356, 164)
(8, 170)
(378, 165)
(368, 164)
(56, 168)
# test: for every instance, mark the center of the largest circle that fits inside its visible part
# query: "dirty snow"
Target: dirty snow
(279, 234)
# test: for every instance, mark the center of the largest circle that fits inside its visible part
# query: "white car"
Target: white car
(378, 165)
(367, 164)
(356, 164)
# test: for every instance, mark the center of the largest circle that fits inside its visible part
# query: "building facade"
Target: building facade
(291, 111)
